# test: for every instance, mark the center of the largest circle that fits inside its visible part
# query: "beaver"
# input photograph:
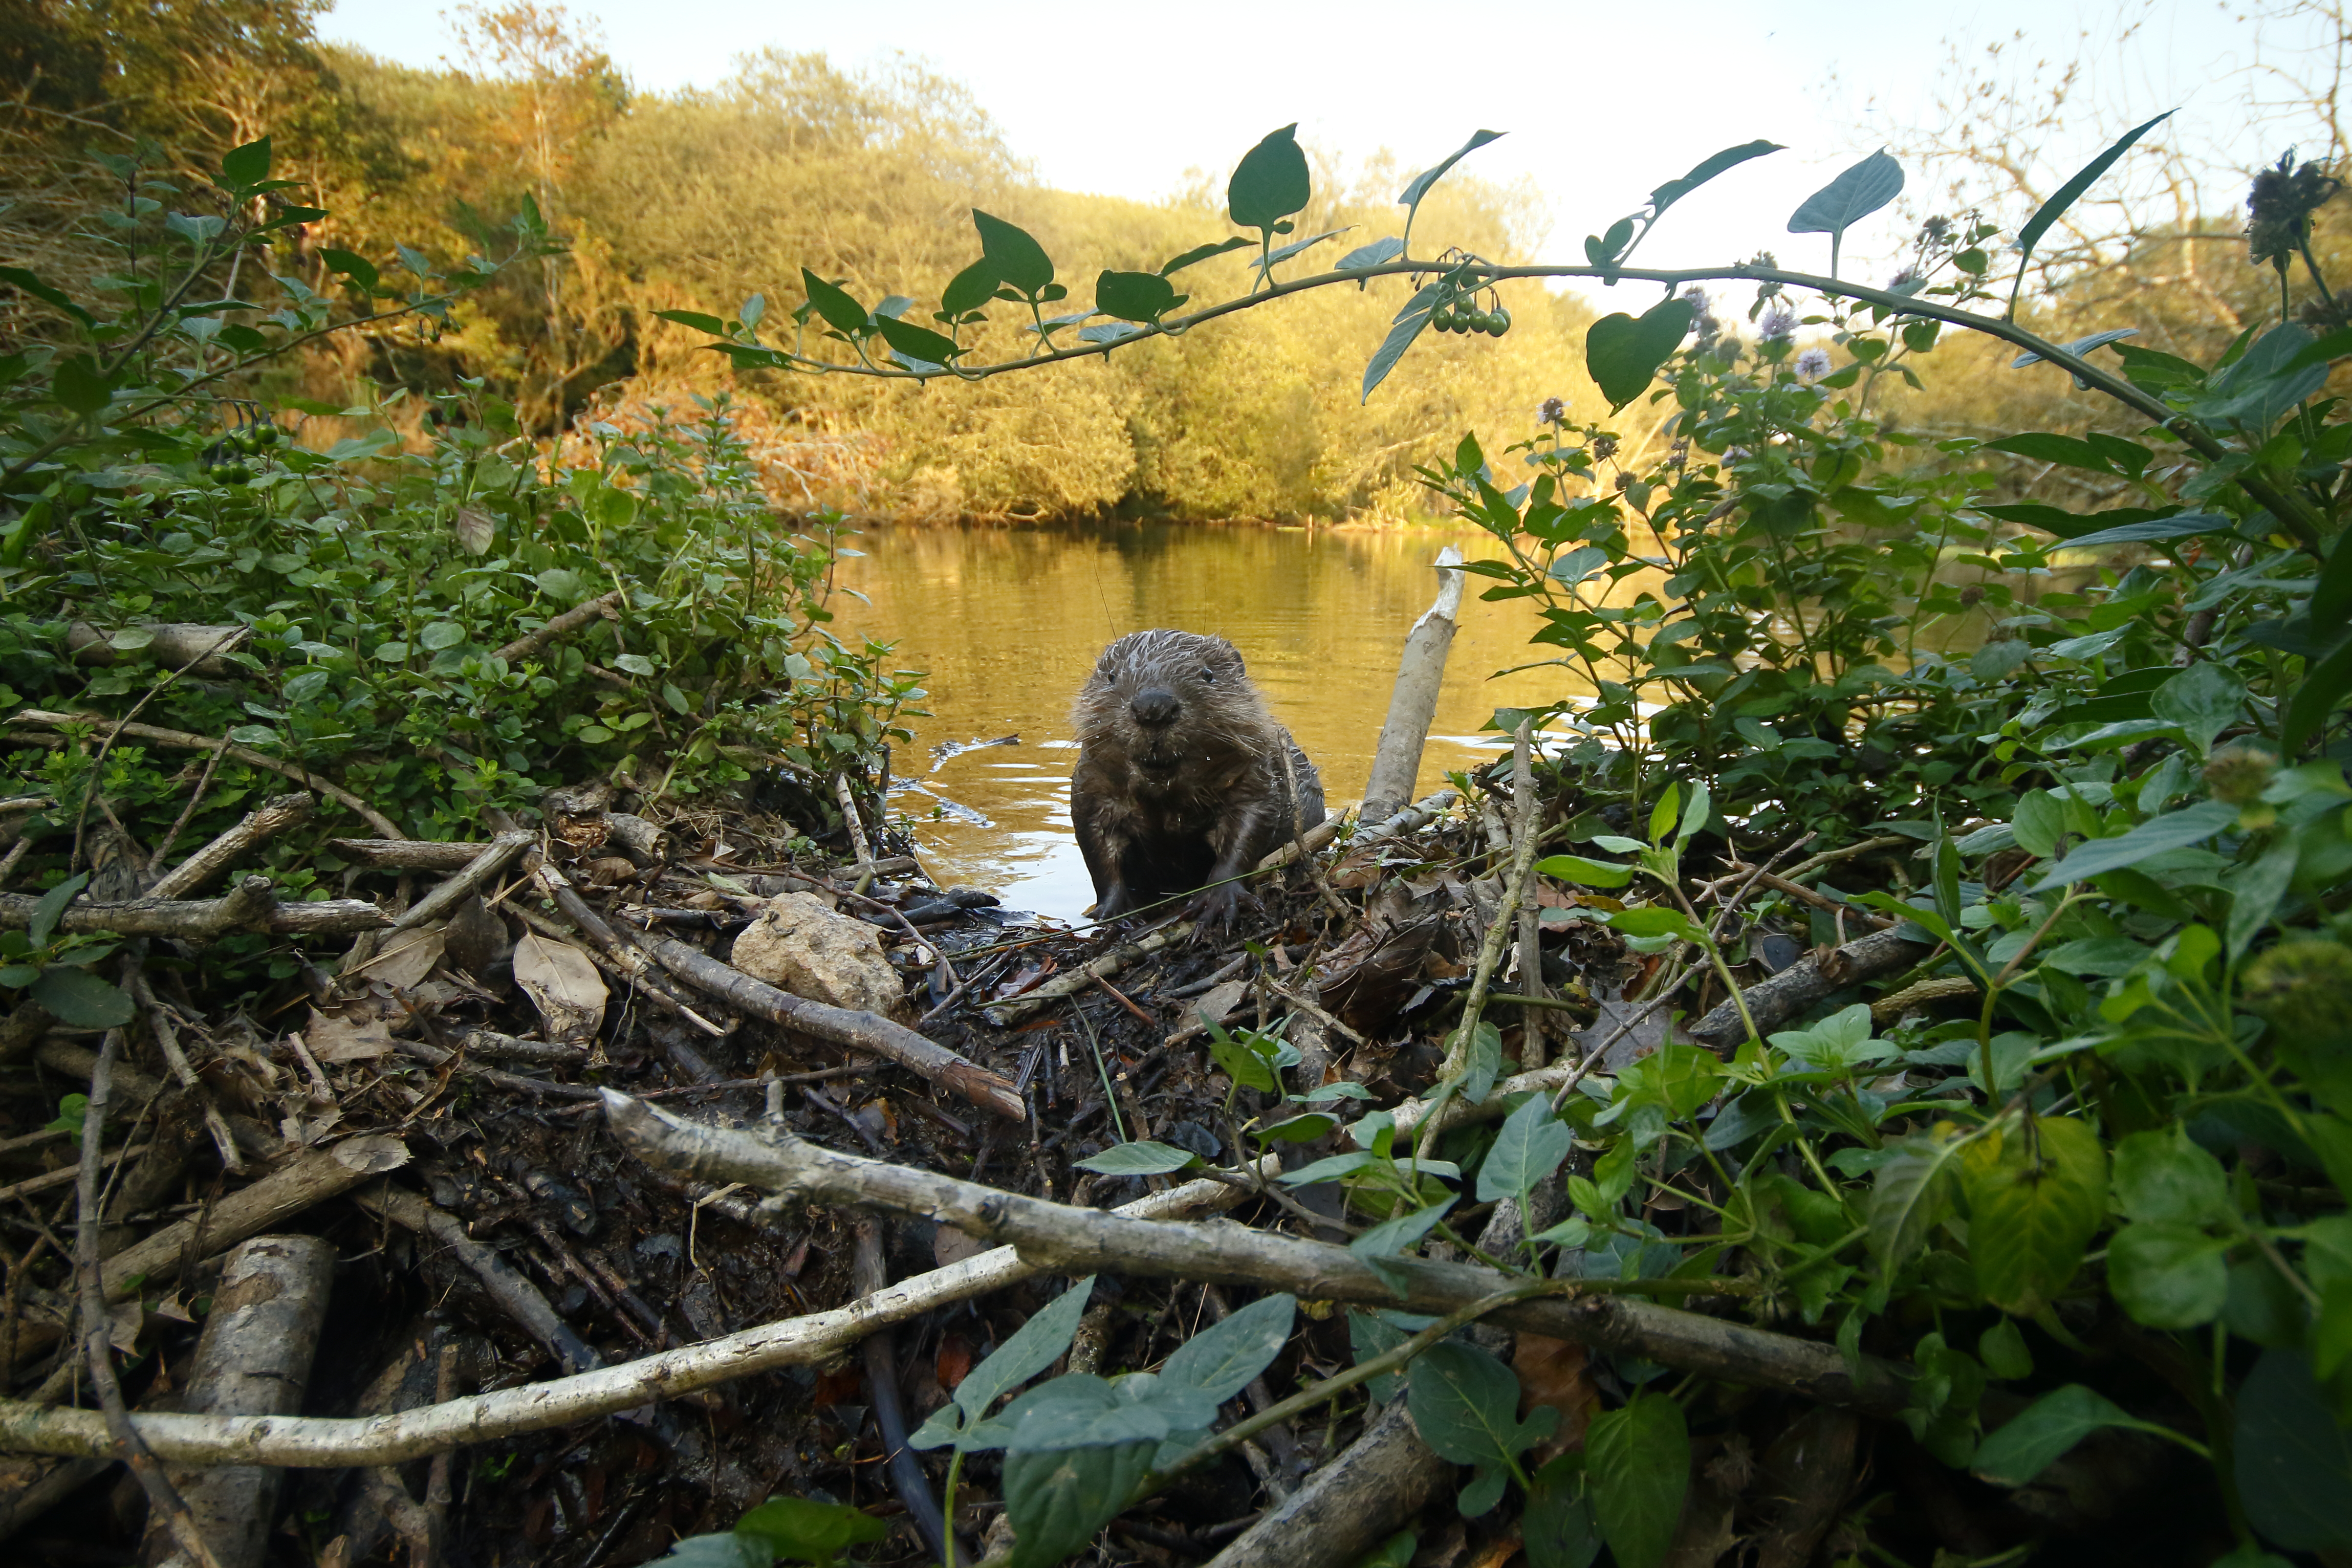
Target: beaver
(1185, 780)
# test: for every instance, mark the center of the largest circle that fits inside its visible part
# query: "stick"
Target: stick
(245, 754)
(97, 1325)
(324, 1442)
(469, 876)
(408, 853)
(1412, 704)
(252, 907)
(274, 816)
(869, 1275)
(1531, 942)
(517, 1296)
(867, 1032)
(1071, 981)
(633, 964)
(1081, 1240)
(1775, 1001)
(1490, 950)
(1350, 1505)
(522, 648)
(167, 1040)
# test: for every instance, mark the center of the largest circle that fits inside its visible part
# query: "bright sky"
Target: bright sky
(1600, 102)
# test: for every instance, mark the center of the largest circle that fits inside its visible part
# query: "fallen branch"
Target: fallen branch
(518, 1297)
(633, 964)
(1774, 1002)
(608, 607)
(1418, 815)
(408, 853)
(1073, 981)
(1350, 1505)
(246, 755)
(330, 1443)
(251, 907)
(274, 817)
(176, 645)
(1082, 1240)
(491, 858)
(867, 1032)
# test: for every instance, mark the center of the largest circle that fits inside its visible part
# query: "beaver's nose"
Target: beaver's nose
(1155, 706)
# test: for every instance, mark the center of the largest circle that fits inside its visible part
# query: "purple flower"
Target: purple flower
(1813, 364)
(1780, 322)
(1552, 412)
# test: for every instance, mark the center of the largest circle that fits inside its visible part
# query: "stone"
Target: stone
(799, 945)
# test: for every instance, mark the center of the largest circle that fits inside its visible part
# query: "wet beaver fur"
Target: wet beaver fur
(1183, 778)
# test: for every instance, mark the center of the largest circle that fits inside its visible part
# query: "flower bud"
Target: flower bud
(2239, 775)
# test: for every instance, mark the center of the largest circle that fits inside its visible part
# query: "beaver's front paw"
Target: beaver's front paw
(1213, 909)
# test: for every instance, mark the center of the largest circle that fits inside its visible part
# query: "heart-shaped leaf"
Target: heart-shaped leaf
(1848, 199)
(1271, 182)
(1014, 255)
(1136, 296)
(1622, 355)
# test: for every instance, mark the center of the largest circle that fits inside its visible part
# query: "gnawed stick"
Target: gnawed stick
(1413, 703)
(868, 1032)
(607, 606)
(1082, 1240)
(408, 854)
(1071, 981)
(467, 878)
(1775, 1001)
(869, 1275)
(167, 1040)
(518, 1297)
(246, 755)
(1350, 1505)
(274, 816)
(1420, 813)
(395, 1437)
(253, 906)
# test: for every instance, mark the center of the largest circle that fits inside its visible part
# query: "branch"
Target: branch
(1082, 1240)
(246, 755)
(251, 907)
(327, 1442)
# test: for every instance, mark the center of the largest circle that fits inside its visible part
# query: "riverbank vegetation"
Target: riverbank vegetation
(1842, 1093)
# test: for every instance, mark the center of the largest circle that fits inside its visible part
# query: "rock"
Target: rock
(802, 947)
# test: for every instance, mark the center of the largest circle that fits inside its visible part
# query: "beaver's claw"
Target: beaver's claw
(1212, 908)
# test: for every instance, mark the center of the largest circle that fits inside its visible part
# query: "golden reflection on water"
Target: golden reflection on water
(1008, 621)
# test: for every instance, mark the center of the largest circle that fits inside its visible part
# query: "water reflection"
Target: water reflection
(1007, 621)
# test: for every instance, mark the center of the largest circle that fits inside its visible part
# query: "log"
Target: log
(1774, 1002)
(328, 1443)
(1350, 1505)
(253, 1359)
(865, 1031)
(274, 817)
(251, 907)
(408, 853)
(1070, 982)
(1413, 704)
(1084, 1241)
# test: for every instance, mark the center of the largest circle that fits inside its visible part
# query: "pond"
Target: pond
(1007, 621)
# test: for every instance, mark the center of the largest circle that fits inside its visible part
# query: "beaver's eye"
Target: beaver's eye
(1209, 675)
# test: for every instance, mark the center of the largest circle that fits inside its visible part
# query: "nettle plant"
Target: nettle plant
(375, 601)
(2122, 826)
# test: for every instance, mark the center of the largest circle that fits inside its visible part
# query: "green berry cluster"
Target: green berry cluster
(1464, 316)
(226, 468)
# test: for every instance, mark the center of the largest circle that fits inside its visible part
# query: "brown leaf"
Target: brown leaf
(373, 1153)
(955, 1360)
(405, 958)
(1553, 1372)
(474, 529)
(341, 1037)
(563, 984)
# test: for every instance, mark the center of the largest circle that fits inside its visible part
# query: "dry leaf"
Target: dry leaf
(373, 1153)
(474, 529)
(405, 957)
(1553, 1372)
(306, 1124)
(123, 1323)
(563, 984)
(342, 1038)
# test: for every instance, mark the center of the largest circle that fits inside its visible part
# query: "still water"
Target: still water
(1007, 621)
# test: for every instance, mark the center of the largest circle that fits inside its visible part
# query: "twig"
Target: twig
(167, 1040)
(868, 1276)
(188, 810)
(98, 1323)
(251, 906)
(520, 1299)
(454, 891)
(1490, 950)
(522, 648)
(246, 755)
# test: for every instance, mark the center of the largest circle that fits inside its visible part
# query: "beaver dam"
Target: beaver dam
(584, 1187)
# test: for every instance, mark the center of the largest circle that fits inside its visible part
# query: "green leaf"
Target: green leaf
(1530, 1147)
(1240, 1063)
(1136, 296)
(2203, 699)
(1672, 191)
(2176, 830)
(841, 312)
(728, 1551)
(1654, 921)
(351, 265)
(79, 384)
(1366, 257)
(2182, 525)
(1203, 252)
(1910, 1198)
(2040, 1434)
(1851, 197)
(1637, 1466)
(1301, 1128)
(2324, 685)
(1410, 197)
(1029, 1352)
(971, 288)
(81, 999)
(2067, 195)
(1482, 1064)
(1622, 355)
(1142, 1159)
(246, 165)
(2294, 1462)
(799, 1531)
(1058, 1499)
(1221, 1360)
(1270, 184)
(1465, 1404)
(51, 908)
(1013, 253)
(31, 284)
(2166, 1176)
(917, 343)
(1407, 327)
(1392, 1235)
(1587, 873)
(1559, 1528)
(2044, 447)
(2167, 1275)
(2002, 1350)
(2036, 1195)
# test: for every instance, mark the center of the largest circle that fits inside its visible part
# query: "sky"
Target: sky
(1599, 103)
